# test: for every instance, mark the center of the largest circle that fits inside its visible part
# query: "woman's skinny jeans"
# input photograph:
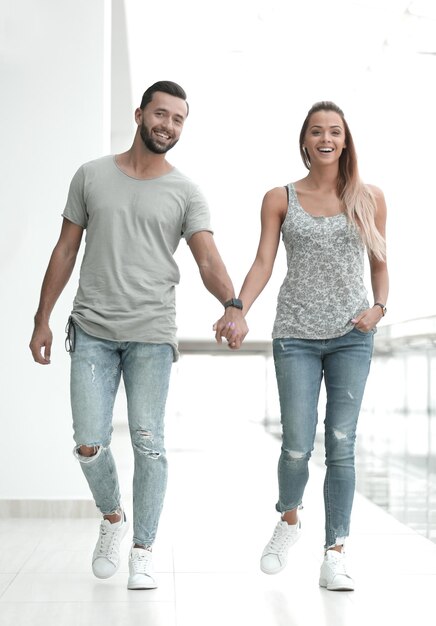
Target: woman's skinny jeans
(96, 367)
(301, 364)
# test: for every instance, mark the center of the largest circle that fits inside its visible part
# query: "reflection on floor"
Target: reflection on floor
(218, 514)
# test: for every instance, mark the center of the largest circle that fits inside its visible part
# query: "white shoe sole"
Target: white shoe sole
(336, 586)
(272, 572)
(141, 584)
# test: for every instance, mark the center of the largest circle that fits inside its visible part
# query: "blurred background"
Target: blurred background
(72, 74)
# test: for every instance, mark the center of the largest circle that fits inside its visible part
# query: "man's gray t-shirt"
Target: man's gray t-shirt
(133, 227)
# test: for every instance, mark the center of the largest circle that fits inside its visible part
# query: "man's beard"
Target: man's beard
(151, 144)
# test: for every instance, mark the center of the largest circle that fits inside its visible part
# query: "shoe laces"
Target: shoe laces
(280, 539)
(141, 561)
(107, 543)
(337, 564)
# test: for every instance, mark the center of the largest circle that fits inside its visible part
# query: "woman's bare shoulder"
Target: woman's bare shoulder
(376, 191)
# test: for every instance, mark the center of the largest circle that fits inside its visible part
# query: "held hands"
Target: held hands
(40, 344)
(232, 326)
(368, 319)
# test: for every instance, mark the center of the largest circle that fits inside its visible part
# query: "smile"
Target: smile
(162, 135)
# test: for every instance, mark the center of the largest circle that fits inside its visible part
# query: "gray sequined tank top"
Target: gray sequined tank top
(324, 285)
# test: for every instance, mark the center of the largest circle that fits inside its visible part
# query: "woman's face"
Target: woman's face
(325, 137)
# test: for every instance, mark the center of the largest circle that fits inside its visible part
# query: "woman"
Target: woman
(324, 325)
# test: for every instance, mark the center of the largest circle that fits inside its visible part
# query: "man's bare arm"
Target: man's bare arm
(216, 280)
(58, 273)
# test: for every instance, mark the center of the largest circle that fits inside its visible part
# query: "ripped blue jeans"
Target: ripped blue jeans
(96, 368)
(300, 365)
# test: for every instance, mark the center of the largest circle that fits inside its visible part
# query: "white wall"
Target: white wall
(53, 118)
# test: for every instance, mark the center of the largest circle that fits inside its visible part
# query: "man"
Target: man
(135, 207)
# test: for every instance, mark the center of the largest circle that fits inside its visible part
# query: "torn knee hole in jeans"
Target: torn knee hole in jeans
(143, 440)
(87, 458)
(339, 435)
(295, 455)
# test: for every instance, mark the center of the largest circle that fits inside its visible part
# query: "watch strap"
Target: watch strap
(382, 306)
(234, 302)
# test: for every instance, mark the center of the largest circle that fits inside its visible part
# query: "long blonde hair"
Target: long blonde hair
(359, 201)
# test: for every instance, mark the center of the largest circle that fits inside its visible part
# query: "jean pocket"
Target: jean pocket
(364, 333)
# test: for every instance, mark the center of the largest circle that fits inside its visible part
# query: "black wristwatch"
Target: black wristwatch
(234, 302)
(382, 306)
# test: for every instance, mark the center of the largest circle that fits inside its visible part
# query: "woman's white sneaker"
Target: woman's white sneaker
(141, 574)
(275, 555)
(333, 574)
(106, 556)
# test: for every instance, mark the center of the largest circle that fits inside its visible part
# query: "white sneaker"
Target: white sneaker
(275, 554)
(333, 573)
(106, 557)
(141, 570)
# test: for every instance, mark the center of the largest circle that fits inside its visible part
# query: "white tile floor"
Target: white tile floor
(218, 514)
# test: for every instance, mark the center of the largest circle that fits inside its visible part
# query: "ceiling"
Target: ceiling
(273, 38)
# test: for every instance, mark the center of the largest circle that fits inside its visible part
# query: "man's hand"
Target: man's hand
(40, 344)
(232, 326)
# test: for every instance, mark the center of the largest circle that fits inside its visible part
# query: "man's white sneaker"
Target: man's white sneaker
(141, 570)
(333, 574)
(106, 557)
(275, 554)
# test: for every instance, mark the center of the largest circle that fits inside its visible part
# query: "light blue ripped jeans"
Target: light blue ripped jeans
(96, 367)
(300, 365)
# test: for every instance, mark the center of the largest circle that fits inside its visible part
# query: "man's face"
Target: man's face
(161, 122)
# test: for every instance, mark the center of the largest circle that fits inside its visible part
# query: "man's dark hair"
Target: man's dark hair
(166, 86)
